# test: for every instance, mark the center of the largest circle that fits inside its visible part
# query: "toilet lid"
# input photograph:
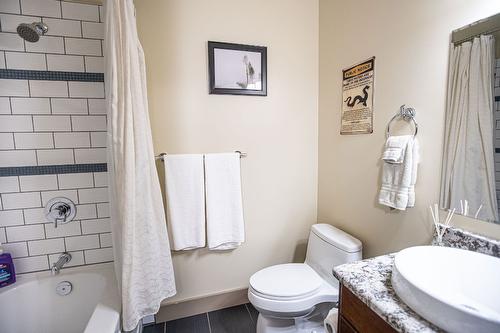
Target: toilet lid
(287, 280)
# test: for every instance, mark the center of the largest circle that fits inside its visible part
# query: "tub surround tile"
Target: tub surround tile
(34, 140)
(55, 157)
(52, 138)
(31, 61)
(65, 63)
(96, 226)
(17, 158)
(31, 264)
(6, 141)
(11, 42)
(80, 11)
(38, 183)
(25, 233)
(30, 105)
(4, 105)
(98, 255)
(34, 215)
(70, 194)
(21, 200)
(41, 7)
(106, 240)
(16, 250)
(14, 88)
(103, 210)
(9, 184)
(82, 242)
(46, 44)
(10, 6)
(46, 246)
(9, 218)
(59, 27)
(16, 123)
(69, 106)
(63, 230)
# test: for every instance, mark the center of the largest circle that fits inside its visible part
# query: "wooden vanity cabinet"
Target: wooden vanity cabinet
(356, 317)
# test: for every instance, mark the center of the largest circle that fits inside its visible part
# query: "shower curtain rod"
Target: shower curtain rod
(161, 156)
(468, 39)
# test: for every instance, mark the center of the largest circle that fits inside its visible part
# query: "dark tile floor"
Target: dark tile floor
(236, 319)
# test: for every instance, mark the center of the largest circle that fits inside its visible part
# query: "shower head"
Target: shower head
(31, 32)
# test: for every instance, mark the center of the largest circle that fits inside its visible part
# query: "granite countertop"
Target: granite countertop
(370, 281)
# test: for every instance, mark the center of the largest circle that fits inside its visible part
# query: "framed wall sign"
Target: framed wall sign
(236, 69)
(357, 98)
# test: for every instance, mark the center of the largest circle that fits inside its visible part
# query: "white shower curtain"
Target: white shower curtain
(142, 252)
(468, 163)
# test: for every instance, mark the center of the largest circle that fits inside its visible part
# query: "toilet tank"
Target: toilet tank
(329, 247)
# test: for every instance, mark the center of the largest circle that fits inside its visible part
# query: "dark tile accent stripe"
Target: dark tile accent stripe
(21, 74)
(52, 169)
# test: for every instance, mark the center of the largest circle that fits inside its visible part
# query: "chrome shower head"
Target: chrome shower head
(31, 32)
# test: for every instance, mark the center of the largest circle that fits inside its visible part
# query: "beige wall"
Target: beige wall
(410, 41)
(279, 132)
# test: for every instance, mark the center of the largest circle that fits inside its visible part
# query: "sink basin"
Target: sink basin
(456, 290)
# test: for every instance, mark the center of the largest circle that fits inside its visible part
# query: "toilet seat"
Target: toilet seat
(289, 289)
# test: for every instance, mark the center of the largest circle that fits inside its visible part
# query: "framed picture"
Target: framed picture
(236, 69)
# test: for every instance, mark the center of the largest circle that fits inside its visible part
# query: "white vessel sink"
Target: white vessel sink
(457, 290)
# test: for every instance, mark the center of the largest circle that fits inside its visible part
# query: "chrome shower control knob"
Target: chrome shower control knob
(64, 288)
(60, 210)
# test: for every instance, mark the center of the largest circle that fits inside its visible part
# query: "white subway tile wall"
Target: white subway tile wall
(46, 122)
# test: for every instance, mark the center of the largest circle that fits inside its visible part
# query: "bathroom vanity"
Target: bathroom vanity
(356, 316)
(368, 301)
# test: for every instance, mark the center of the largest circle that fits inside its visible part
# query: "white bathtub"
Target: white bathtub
(32, 304)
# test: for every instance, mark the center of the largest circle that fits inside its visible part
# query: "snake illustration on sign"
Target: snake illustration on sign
(357, 98)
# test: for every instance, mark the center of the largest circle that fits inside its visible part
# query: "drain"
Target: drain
(64, 288)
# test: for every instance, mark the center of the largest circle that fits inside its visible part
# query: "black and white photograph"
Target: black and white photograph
(237, 69)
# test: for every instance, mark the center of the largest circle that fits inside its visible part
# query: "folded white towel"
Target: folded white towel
(184, 181)
(395, 147)
(398, 179)
(225, 225)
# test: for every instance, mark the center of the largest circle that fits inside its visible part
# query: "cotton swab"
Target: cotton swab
(478, 210)
(450, 215)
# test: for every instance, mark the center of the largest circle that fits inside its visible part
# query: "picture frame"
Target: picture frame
(237, 69)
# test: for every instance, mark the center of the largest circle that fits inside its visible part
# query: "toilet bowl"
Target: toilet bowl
(294, 298)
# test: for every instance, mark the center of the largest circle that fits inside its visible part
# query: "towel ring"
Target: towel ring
(407, 113)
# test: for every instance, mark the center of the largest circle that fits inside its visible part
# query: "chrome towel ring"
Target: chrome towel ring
(406, 113)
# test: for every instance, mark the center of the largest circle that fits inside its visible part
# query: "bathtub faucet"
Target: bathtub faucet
(63, 260)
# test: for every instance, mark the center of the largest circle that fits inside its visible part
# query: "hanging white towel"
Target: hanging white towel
(185, 200)
(398, 179)
(395, 147)
(225, 225)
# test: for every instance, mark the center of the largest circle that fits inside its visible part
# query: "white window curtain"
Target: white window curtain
(468, 163)
(143, 262)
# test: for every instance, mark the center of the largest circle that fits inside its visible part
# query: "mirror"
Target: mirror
(470, 177)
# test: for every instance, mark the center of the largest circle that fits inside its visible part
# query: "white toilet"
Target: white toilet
(297, 297)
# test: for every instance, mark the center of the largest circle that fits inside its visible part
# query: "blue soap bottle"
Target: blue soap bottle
(7, 272)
